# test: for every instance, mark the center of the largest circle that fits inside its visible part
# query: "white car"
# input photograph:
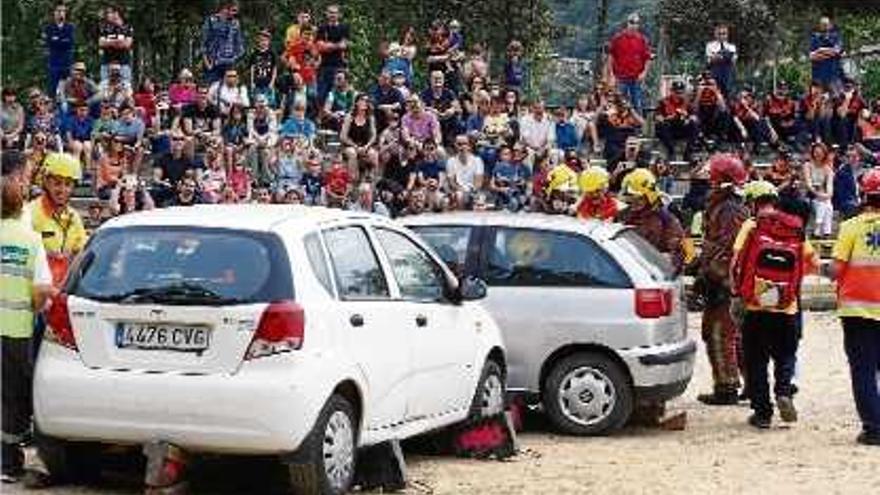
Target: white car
(303, 332)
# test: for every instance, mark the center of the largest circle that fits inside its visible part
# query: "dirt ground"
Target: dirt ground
(717, 453)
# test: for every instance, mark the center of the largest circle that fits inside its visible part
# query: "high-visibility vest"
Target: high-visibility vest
(62, 232)
(19, 246)
(858, 284)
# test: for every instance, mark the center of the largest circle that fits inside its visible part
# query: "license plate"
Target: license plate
(163, 336)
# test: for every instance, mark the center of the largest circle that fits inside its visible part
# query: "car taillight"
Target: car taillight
(59, 329)
(281, 329)
(654, 303)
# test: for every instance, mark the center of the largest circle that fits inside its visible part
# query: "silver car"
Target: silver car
(593, 317)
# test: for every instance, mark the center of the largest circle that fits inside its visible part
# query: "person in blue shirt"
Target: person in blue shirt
(826, 47)
(222, 41)
(78, 127)
(846, 187)
(509, 181)
(298, 125)
(59, 39)
(515, 67)
(566, 132)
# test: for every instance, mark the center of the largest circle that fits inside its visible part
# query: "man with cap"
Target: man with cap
(25, 283)
(629, 56)
(77, 87)
(676, 122)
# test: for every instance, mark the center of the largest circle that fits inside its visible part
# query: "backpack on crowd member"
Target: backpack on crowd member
(771, 262)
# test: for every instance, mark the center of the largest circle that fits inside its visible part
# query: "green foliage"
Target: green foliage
(871, 78)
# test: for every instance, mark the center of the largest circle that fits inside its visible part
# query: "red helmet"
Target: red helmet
(871, 182)
(725, 168)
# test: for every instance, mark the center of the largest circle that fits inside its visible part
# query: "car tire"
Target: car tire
(587, 394)
(69, 462)
(490, 397)
(325, 462)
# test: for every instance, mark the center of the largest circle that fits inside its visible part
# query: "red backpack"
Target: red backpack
(771, 263)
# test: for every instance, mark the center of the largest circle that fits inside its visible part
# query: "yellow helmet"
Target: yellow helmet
(593, 179)
(561, 178)
(63, 165)
(641, 182)
(759, 189)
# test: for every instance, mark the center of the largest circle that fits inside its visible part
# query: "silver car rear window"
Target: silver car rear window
(655, 262)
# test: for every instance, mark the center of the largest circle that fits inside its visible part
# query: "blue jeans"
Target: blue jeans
(632, 90)
(217, 72)
(326, 76)
(861, 340)
(56, 75)
(126, 73)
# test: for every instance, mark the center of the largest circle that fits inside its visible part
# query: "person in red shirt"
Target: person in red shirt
(595, 202)
(849, 105)
(337, 183)
(781, 110)
(629, 54)
(675, 121)
(713, 116)
(749, 121)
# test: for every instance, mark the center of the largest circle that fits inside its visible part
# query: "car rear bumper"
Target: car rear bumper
(259, 410)
(663, 370)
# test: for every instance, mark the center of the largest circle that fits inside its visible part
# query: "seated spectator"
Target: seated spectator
(298, 125)
(397, 62)
(46, 122)
(183, 92)
(290, 90)
(130, 127)
(130, 196)
(781, 110)
(584, 117)
(846, 190)
(818, 111)
(465, 172)
(111, 167)
(850, 105)
(213, 179)
(443, 102)
(77, 88)
(288, 169)
(187, 192)
(617, 124)
(868, 129)
(145, 101)
(514, 67)
(712, 112)
(358, 138)
(228, 92)
(78, 130)
(115, 89)
(235, 133)
(12, 119)
(818, 176)
(366, 201)
(239, 179)
(105, 126)
(675, 122)
(262, 137)
(475, 65)
(536, 130)
(398, 80)
(387, 100)
(420, 125)
(199, 122)
(175, 164)
(312, 180)
(749, 121)
(565, 133)
(510, 182)
(264, 68)
(430, 174)
(337, 183)
(339, 102)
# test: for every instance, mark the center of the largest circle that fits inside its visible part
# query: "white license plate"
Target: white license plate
(163, 336)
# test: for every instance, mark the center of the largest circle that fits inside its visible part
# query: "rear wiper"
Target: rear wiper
(175, 293)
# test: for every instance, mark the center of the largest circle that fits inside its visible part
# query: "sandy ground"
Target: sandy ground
(717, 453)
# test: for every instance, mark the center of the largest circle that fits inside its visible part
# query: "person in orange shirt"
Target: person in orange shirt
(857, 269)
(770, 258)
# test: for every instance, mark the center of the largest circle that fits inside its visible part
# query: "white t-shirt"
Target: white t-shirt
(465, 173)
(537, 134)
(714, 47)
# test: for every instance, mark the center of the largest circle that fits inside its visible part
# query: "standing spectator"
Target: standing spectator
(294, 35)
(58, 36)
(264, 68)
(721, 56)
(856, 261)
(222, 41)
(629, 58)
(675, 122)
(819, 179)
(12, 119)
(332, 45)
(515, 67)
(228, 92)
(115, 39)
(78, 87)
(826, 48)
(303, 59)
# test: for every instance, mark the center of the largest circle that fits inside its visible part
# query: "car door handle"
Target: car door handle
(421, 320)
(356, 320)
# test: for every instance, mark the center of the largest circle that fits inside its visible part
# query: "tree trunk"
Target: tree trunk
(601, 28)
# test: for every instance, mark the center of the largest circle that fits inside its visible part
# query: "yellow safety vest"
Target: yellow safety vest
(858, 247)
(62, 232)
(18, 251)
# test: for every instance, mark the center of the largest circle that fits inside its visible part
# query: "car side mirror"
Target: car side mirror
(471, 289)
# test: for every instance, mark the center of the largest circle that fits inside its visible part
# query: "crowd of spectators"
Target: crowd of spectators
(293, 127)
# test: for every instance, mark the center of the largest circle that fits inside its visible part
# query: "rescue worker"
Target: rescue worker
(595, 201)
(857, 269)
(770, 323)
(722, 220)
(562, 184)
(646, 212)
(59, 225)
(25, 283)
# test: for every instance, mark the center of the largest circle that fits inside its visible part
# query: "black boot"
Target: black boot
(722, 396)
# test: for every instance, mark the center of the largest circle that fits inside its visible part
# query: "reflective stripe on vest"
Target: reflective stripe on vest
(18, 249)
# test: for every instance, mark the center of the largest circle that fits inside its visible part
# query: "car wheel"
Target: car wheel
(325, 462)
(490, 398)
(69, 462)
(587, 394)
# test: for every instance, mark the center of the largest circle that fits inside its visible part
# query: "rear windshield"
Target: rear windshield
(182, 266)
(657, 264)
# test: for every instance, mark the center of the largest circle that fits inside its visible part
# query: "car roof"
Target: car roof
(593, 228)
(253, 217)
